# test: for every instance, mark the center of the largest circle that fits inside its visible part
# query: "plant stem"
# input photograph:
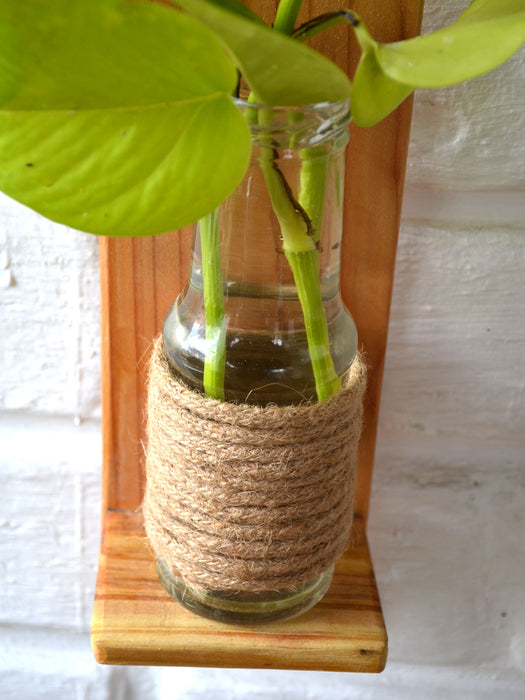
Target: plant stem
(286, 16)
(305, 268)
(303, 257)
(312, 187)
(299, 234)
(300, 224)
(215, 356)
(306, 273)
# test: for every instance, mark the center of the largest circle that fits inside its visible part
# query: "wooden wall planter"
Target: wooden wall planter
(134, 620)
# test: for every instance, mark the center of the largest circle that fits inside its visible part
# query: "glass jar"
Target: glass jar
(261, 319)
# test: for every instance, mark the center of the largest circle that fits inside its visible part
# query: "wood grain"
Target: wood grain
(140, 278)
(136, 622)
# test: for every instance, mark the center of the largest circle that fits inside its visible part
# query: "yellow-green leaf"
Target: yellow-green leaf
(478, 42)
(485, 36)
(278, 70)
(114, 115)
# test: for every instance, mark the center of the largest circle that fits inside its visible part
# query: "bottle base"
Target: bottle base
(245, 608)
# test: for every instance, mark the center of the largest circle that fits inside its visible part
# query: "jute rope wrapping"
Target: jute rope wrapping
(244, 498)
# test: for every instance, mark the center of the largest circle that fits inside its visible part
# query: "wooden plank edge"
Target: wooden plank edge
(282, 645)
(118, 653)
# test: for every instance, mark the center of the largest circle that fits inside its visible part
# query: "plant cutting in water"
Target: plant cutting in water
(110, 112)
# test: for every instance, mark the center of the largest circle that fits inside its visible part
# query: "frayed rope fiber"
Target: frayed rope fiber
(245, 498)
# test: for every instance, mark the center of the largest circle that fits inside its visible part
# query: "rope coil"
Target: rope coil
(245, 498)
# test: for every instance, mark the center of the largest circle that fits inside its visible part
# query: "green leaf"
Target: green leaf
(278, 70)
(485, 35)
(374, 94)
(238, 8)
(111, 113)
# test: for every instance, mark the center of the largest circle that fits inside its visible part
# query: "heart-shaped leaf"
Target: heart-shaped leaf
(111, 112)
(278, 70)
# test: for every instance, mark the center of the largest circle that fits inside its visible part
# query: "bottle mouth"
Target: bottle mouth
(304, 125)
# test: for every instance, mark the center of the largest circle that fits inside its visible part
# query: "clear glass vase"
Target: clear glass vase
(261, 319)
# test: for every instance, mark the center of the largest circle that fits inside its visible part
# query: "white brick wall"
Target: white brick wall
(448, 512)
(49, 296)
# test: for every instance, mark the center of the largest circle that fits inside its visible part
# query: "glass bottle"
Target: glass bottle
(251, 325)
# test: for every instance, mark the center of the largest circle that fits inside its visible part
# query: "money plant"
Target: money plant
(110, 112)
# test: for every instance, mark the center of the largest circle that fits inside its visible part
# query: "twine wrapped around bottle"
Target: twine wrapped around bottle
(245, 498)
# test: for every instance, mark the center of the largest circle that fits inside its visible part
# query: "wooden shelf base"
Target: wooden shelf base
(136, 622)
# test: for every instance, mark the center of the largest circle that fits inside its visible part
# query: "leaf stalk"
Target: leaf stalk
(215, 355)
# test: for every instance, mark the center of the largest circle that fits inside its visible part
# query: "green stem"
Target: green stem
(305, 268)
(303, 257)
(301, 231)
(286, 16)
(300, 224)
(215, 356)
(306, 272)
(312, 186)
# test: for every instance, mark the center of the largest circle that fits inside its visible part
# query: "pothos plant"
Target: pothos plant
(110, 112)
